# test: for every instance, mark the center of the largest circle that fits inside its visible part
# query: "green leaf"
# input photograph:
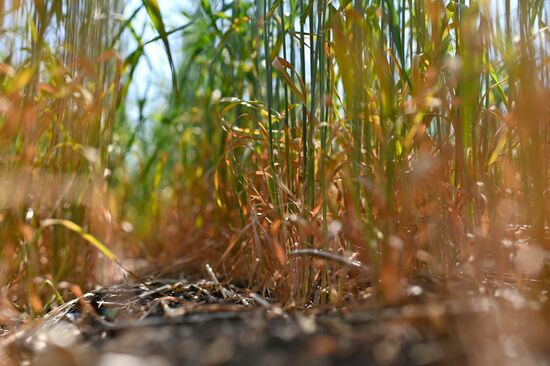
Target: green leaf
(395, 34)
(153, 10)
(501, 144)
(498, 85)
(86, 236)
(344, 4)
(307, 10)
(276, 49)
(273, 8)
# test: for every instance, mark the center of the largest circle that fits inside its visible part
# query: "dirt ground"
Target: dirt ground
(169, 322)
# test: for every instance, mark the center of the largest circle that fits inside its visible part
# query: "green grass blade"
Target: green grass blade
(153, 10)
(86, 236)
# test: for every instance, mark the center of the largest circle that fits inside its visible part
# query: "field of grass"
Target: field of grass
(306, 149)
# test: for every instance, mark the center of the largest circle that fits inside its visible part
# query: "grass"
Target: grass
(405, 136)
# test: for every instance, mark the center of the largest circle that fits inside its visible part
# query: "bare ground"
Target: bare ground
(168, 322)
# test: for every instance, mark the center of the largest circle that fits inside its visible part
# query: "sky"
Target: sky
(152, 79)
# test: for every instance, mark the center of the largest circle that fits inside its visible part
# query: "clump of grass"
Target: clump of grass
(406, 135)
(60, 83)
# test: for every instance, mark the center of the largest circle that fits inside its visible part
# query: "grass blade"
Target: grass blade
(153, 10)
(86, 236)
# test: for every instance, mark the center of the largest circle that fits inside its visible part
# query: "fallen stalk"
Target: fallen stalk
(331, 257)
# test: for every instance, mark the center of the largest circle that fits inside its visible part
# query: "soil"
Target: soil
(179, 322)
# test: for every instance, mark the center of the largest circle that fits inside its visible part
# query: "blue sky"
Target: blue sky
(153, 78)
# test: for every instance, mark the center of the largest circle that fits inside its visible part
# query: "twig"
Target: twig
(331, 257)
